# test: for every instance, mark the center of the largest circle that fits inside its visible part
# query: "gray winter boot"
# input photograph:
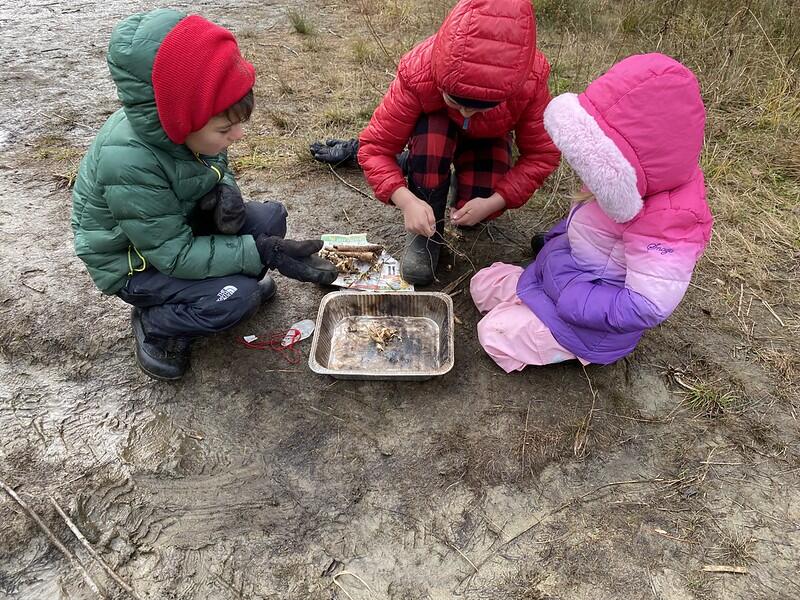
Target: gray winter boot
(422, 253)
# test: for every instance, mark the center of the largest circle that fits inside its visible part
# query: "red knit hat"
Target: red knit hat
(198, 72)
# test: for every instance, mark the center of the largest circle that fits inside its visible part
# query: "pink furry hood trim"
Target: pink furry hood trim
(636, 131)
(594, 157)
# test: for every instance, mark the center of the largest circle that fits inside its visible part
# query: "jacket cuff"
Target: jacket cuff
(251, 263)
(513, 200)
(384, 193)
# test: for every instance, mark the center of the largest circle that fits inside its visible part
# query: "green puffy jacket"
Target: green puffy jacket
(136, 190)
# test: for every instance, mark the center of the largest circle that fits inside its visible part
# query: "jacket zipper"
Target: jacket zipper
(210, 166)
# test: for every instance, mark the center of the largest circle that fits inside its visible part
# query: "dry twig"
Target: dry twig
(725, 569)
(94, 554)
(350, 185)
(54, 540)
(582, 435)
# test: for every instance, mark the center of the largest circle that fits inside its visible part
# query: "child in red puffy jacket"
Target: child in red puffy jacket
(456, 99)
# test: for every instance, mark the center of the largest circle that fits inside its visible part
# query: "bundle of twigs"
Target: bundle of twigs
(345, 256)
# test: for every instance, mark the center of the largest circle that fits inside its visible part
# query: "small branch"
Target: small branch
(774, 314)
(453, 285)
(54, 540)
(30, 287)
(88, 546)
(464, 556)
(556, 510)
(525, 435)
(284, 46)
(725, 569)
(354, 576)
(582, 435)
(375, 34)
(350, 185)
(741, 298)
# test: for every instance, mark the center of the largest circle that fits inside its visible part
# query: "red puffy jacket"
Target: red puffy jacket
(485, 50)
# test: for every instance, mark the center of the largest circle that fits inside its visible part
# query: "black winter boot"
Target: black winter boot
(267, 288)
(165, 359)
(537, 243)
(422, 253)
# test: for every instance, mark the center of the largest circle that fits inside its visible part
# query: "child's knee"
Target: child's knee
(481, 290)
(277, 218)
(493, 285)
(491, 335)
(268, 218)
(492, 340)
(237, 301)
(431, 151)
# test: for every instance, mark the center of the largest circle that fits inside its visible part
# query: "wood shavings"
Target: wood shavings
(382, 335)
(343, 264)
(346, 257)
(367, 257)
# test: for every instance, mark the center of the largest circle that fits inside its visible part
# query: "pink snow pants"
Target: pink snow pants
(510, 332)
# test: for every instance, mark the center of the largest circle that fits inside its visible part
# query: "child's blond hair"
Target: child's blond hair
(581, 196)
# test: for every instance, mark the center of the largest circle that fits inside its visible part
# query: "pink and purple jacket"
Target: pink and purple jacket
(621, 262)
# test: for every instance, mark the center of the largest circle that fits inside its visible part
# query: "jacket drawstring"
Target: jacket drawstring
(131, 270)
(210, 166)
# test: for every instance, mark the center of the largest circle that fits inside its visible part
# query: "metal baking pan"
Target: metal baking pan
(342, 346)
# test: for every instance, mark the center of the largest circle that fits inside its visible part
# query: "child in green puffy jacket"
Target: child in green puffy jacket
(157, 216)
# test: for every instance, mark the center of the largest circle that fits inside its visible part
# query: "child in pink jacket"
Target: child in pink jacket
(621, 262)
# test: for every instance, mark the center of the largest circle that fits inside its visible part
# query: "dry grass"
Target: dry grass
(706, 399)
(700, 586)
(509, 449)
(733, 549)
(300, 23)
(59, 157)
(523, 585)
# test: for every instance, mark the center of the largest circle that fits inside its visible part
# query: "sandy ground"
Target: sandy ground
(254, 478)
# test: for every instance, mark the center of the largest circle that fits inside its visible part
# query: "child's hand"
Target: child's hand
(417, 214)
(228, 206)
(296, 259)
(419, 218)
(335, 152)
(476, 210)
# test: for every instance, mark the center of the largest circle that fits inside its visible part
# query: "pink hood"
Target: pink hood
(636, 131)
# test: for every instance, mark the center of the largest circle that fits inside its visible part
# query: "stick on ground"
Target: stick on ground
(88, 546)
(350, 185)
(725, 569)
(54, 540)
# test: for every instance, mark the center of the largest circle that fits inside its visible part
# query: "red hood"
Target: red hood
(485, 49)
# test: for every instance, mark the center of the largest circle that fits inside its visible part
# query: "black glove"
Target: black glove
(228, 207)
(335, 152)
(296, 259)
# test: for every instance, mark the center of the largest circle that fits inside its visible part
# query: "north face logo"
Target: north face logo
(226, 293)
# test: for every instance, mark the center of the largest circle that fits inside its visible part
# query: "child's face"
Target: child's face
(465, 112)
(216, 136)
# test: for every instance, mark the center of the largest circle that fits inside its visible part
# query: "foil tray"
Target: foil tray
(423, 347)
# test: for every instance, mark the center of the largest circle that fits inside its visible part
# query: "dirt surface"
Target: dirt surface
(255, 478)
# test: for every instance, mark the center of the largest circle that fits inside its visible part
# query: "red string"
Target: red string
(274, 342)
